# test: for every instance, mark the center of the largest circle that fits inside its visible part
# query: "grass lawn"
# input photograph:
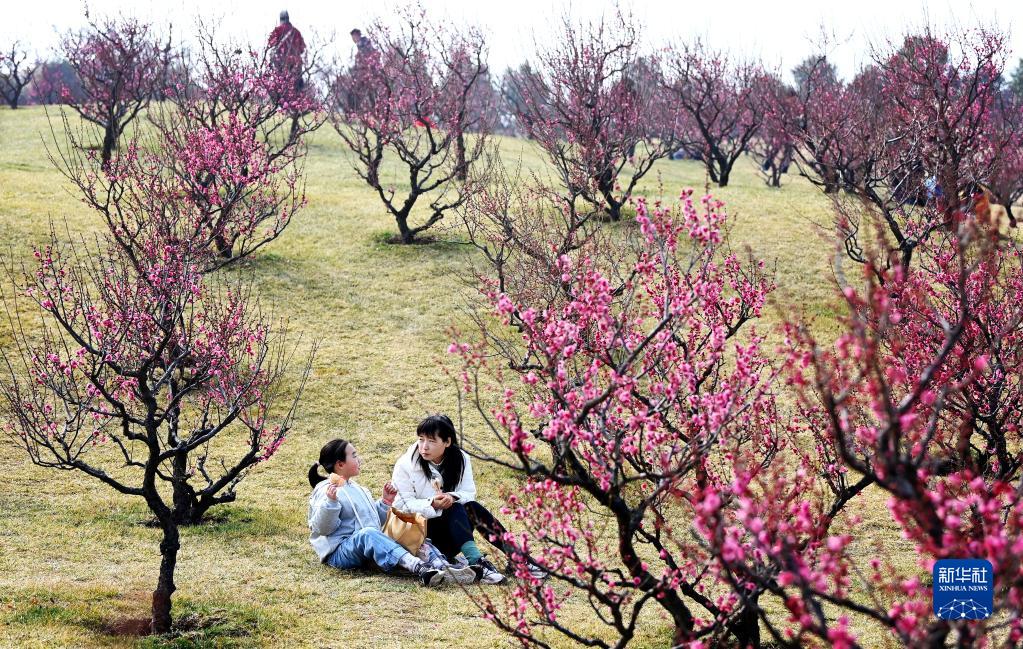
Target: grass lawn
(76, 558)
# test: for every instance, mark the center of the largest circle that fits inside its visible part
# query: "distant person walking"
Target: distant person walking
(364, 72)
(288, 48)
(363, 47)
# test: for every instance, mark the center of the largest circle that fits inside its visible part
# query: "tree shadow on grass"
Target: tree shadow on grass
(125, 616)
(442, 246)
(209, 626)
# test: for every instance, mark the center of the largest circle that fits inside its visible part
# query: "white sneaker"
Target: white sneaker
(461, 574)
(486, 573)
(536, 572)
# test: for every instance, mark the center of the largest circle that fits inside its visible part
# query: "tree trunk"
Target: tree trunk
(906, 257)
(726, 170)
(186, 506)
(614, 211)
(461, 170)
(165, 585)
(407, 236)
(937, 635)
(606, 185)
(830, 178)
(109, 141)
(711, 170)
(746, 628)
(225, 248)
(191, 513)
(669, 600)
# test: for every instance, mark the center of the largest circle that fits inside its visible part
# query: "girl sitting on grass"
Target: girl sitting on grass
(345, 523)
(434, 478)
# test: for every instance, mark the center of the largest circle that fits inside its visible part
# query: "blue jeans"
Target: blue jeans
(365, 545)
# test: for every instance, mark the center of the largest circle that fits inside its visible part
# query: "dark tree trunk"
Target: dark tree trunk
(110, 134)
(407, 236)
(614, 211)
(831, 184)
(461, 170)
(165, 585)
(187, 508)
(746, 628)
(726, 170)
(191, 512)
(605, 184)
(225, 248)
(668, 599)
(712, 170)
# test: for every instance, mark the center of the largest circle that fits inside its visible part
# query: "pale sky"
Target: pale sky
(781, 33)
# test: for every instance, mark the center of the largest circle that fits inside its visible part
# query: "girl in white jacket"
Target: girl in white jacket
(434, 478)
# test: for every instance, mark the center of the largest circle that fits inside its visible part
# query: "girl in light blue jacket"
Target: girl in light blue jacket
(345, 523)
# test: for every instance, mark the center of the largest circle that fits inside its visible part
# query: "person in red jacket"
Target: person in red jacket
(288, 47)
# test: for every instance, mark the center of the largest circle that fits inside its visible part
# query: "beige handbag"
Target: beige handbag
(409, 530)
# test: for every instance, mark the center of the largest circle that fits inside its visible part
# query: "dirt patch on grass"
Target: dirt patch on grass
(131, 627)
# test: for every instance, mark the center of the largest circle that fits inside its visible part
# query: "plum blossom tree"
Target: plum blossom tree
(234, 138)
(916, 129)
(720, 104)
(619, 381)
(816, 123)
(608, 400)
(512, 106)
(919, 398)
(220, 192)
(772, 148)
(54, 82)
(1005, 180)
(15, 73)
(416, 99)
(207, 193)
(221, 172)
(146, 377)
(594, 104)
(121, 65)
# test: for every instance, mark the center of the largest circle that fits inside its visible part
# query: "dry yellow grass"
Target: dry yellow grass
(74, 556)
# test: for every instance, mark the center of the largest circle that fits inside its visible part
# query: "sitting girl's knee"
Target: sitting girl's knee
(367, 533)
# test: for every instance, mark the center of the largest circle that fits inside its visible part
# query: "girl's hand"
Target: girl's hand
(332, 491)
(443, 501)
(389, 493)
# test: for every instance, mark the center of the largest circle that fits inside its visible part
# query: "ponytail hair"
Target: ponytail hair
(332, 452)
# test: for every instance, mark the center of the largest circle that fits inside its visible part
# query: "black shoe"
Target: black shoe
(486, 573)
(430, 576)
(535, 571)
